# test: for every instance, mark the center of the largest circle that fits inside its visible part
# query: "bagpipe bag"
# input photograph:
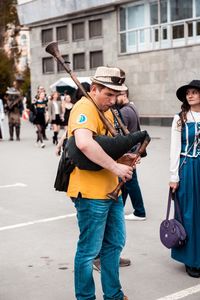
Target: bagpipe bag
(115, 147)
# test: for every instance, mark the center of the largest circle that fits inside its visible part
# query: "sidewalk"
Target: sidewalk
(38, 227)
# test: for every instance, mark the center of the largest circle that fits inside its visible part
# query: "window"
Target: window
(198, 15)
(197, 8)
(78, 31)
(181, 9)
(47, 65)
(62, 33)
(47, 36)
(23, 40)
(155, 14)
(96, 59)
(95, 28)
(79, 61)
(60, 68)
(157, 17)
(131, 18)
(159, 24)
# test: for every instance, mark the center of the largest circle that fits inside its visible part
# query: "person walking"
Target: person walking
(14, 107)
(78, 95)
(185, 175)
(2, 116)
(100, 220)
(41, 89)
(130, 118)
(38, 109)
(55, 114)
(66, 108)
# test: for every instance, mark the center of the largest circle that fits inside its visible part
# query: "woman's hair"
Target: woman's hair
(185, 107)
(79, 93)
(58, 94)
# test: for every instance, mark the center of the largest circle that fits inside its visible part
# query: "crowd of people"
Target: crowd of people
(101, 220)
(44, 111)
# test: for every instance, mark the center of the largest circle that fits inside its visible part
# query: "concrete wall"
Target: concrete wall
(153, 78)
(108, 43)
(31, 12)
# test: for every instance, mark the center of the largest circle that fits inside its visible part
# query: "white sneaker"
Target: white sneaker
(132, 217)
(42, 145)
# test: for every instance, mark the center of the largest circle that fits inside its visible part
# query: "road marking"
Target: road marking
(36, 222)
(18, 184)
(182, 294)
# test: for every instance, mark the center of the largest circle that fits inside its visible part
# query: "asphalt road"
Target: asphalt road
(38, 228)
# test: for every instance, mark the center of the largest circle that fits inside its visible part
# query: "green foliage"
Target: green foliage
(25, 87)
(8, 13)
(6, 71)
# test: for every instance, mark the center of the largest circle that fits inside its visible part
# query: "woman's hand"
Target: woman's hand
(174, 186)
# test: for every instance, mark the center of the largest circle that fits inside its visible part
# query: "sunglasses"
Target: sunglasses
(117, 80)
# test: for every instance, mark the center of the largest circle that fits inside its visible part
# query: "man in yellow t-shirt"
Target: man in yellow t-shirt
(100, 220)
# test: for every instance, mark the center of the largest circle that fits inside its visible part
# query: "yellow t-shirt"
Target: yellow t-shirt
(91, 184)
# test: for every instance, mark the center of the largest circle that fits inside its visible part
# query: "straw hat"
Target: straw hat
(12, 91)
(113, 78)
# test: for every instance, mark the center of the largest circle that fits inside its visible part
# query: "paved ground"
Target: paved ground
(38, 229)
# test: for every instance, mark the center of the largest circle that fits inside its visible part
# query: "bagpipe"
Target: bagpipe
(116, 146)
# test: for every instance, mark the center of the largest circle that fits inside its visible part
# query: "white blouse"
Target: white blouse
(56, 108)
(175, 148)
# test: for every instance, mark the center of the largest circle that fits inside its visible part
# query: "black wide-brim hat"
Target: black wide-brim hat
(181, 92)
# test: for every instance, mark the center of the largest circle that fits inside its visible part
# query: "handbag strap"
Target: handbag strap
(172, 196)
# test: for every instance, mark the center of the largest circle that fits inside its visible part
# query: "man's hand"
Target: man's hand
(123, 171)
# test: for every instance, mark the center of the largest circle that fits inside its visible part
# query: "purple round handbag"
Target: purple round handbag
(172, 232)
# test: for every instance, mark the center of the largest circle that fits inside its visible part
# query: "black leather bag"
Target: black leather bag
(32, 117)
(65, 167)
(172, 232)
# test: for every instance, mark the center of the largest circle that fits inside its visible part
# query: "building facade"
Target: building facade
(156, 42)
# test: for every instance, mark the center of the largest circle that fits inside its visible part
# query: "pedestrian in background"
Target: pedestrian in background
(41, 89)
(77, 97)
(2, 116)
(100, 220)
(66, 108)
(39, 109)
(14, 108)
(130, 118)
(55, 115)
(78, 93)
(185, 175)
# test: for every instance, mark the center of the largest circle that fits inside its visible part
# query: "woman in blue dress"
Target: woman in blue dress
(185, 173)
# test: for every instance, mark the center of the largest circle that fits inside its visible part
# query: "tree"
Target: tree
(6, 74)
(9, 23)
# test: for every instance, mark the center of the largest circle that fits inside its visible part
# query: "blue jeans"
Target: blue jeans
(102, 230)
(132, 189)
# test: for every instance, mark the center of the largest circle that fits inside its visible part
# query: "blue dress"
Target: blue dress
(188, 195)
